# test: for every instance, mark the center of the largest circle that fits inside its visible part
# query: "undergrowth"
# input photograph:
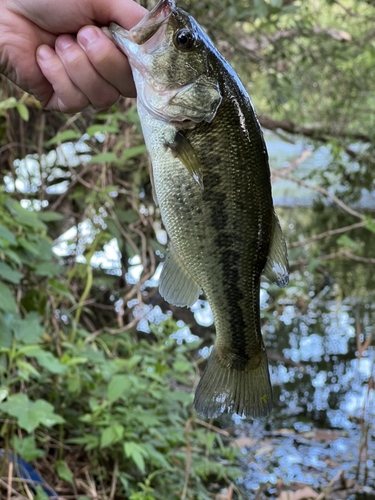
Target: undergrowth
(99, 416)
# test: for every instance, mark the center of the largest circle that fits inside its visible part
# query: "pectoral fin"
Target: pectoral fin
(176, 285)
(152, 180)
(184, 151)
(277, 267)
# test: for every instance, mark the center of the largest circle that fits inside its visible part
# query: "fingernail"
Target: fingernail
(64, 42)
(87, 36)
(44, 53)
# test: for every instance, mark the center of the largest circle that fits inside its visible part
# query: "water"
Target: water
(323, 424)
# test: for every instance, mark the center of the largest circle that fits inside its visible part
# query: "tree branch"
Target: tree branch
(319, 134)
(324, 191)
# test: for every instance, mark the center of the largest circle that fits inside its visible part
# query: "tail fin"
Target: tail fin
(222, 389)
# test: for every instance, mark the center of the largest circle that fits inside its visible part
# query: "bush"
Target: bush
(110, 410)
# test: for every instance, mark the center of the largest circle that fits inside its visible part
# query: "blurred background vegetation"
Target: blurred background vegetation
(97, 371)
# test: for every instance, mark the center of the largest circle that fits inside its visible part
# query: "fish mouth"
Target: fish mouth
(146, 28)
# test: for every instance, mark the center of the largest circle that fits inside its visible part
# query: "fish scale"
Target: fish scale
(212, 183)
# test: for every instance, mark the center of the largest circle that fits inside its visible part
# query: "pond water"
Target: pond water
(322, 428)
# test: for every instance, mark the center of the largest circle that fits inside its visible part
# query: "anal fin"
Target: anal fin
(176, 285)
(277, 267)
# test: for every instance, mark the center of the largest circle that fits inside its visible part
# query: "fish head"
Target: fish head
(170, 58)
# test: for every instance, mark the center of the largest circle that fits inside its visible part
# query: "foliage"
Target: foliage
(107, 399)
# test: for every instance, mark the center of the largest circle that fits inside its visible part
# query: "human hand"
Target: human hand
(55, 50)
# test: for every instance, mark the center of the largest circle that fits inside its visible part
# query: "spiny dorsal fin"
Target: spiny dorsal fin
(277, 267)
(184, 151)
(177, 286)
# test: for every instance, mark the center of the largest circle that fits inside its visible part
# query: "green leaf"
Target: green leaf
(25, 370)
(6, 236)
(31, 414)
(49, 269)
(63, 471)
(313, 264)
(48, 361)
(157, 458)
(127, 216)
(28, 330)
(67, 135)
(7, 302)
(40, 494)
(9, 103)
(104, 158)
(118, 385)
(261, 8)
(42, 412)
(61, 289)
(182, 366)
(50, 216)
(23, 111)
(111, 435)
(133, 361)
(27, 448)
(132, 152)
(29, 246)
(370, 225)
(136, 452)
(9, 274)
(4, 392)
(6, 332)
(91, 442)
(10, 255)
(94, 129)
(24, 216)
(346, 241)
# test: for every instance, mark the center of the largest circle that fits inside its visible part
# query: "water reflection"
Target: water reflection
(323, 396)
(325, 375)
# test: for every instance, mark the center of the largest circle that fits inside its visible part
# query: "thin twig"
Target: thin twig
(325, 234)
(10, 477)
(16, 493)
(292, 165)
(366, 260)
(211, 427)
(324, 191)
(335, 478)
(188, 458)
(114, 481)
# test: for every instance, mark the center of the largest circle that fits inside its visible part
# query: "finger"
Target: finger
(97, 89)
(66, 97)
(107, 60)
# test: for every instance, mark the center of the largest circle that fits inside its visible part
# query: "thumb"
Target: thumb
(126, 13)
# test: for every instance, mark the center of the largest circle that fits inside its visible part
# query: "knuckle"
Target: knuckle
(73, 103)
(106, 100)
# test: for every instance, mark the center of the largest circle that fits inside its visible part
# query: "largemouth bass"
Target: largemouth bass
(211, 181)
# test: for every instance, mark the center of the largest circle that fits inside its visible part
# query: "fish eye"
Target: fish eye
(184, 39)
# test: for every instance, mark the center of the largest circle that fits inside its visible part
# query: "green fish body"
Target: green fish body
(211, 181)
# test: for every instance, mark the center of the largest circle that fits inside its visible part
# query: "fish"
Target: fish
(211, 181)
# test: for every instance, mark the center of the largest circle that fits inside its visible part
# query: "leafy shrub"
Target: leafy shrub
(115, 405)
